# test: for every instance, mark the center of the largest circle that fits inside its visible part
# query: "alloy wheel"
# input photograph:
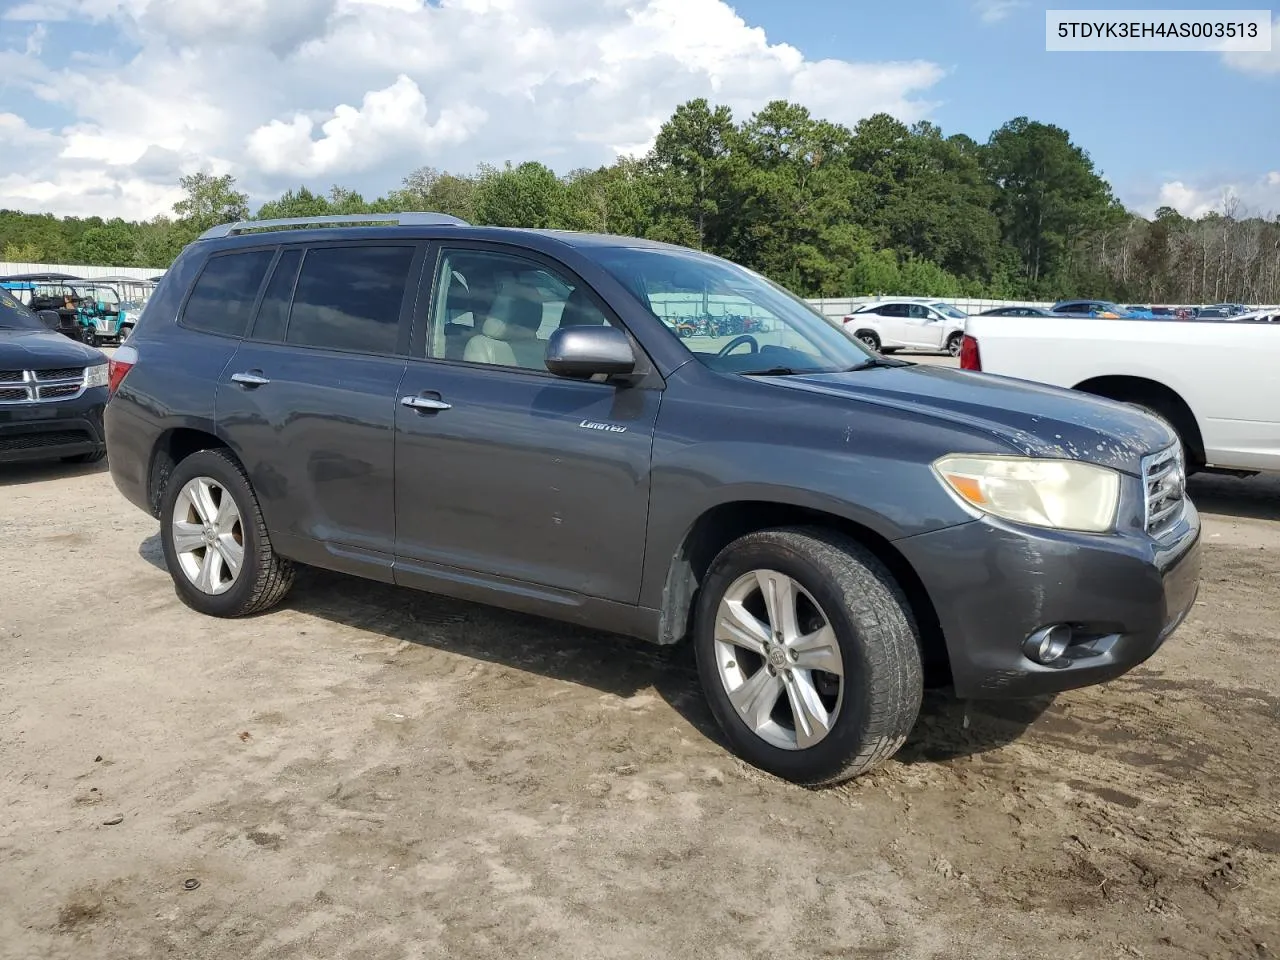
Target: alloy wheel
(778, 658)
(208, 535)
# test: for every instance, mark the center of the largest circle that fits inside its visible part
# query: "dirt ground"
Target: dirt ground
(373, 773)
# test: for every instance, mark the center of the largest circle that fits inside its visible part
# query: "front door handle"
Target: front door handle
(250, 379)
(425, 403)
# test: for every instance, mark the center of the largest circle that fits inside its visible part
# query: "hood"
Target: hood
(1030, 418)
(40, 349)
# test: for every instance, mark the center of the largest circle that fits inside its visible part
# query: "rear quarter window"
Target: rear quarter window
(223, 296)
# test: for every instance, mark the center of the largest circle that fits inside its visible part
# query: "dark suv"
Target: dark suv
(510, 416)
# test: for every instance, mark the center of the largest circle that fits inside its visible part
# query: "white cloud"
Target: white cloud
(993, 11)
(358, 138)
(1259, 63)
(1248, 197)
(363, 91)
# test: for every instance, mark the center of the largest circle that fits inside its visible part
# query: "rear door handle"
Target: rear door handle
(250, 379)
(425, 403)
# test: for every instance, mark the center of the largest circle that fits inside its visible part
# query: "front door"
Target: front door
(505, 469)
(309, 399)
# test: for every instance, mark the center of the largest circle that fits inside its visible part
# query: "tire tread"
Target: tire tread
(872, 598)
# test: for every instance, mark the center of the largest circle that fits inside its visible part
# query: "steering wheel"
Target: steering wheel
(742, 338)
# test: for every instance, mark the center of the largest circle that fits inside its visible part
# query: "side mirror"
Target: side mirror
(587, 351)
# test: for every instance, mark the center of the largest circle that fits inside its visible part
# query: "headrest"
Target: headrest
(516, 314)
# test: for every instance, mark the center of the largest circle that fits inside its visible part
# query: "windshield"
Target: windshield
(947, 310)
(730, 318)
(15, 316)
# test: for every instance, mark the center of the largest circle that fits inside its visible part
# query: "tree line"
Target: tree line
(823, 209)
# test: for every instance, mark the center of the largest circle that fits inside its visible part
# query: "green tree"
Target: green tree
(210, 201)
(295, 203)
(530, 195)
(1048, 194)
(113, 244)
(689, 157)
(428, 189)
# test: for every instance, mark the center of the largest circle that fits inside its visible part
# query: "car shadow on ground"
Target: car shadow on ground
(947, 728)
(1247, 498)
(20, 474)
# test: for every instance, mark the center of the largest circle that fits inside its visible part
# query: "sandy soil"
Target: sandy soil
(372, 773)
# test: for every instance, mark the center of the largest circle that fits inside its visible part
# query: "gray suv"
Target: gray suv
(556, 423)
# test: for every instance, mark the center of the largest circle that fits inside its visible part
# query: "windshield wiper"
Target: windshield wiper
(871, 362)
(775, 372)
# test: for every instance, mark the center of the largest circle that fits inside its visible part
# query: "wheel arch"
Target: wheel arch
(1165, 400)
(173, 446)
(720, 525)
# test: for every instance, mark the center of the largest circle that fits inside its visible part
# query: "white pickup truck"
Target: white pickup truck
(1216, 381)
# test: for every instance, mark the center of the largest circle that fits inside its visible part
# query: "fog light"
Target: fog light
(1048, 644)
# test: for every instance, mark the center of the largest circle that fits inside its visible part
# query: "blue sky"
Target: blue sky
(1145, 118)
(105, 103)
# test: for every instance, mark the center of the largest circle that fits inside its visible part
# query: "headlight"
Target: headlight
(1063, 494)
(95, 376)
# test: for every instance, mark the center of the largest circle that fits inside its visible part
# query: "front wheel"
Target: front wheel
(807, 654)
(215, 542)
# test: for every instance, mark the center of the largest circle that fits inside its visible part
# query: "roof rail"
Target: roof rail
(404, 219)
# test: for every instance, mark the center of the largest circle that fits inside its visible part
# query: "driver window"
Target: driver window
(498, 309)
(917, 312)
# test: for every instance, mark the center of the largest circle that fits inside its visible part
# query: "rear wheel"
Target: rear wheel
(953, 344)
(216, 544)
(807, 654)
(1188, 461)
(869, 338)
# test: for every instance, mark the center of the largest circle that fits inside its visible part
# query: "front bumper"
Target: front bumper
(52, 430)
(993, 584)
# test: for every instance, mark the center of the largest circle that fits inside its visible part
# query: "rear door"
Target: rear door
(503, 468)
(891, 320)
(308, 401)
(918, 327)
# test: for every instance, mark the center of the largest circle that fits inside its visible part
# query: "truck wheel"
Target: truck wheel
(807, 654)
(1168, 422)
(953, 344)
(870, 339)
(216, 544)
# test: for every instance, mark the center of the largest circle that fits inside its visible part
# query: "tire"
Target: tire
(953, 344)
(95, 457)
(1187, 460)
(869, 338)
(125, 332)
(90, 338)
(879, 693)
(263, 579)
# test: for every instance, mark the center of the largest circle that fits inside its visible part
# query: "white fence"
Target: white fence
(86, 273)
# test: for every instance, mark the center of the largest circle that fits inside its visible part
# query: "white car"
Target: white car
(1214, 381)
(908, 325)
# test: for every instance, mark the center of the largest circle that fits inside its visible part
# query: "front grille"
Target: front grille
(34, 441)
(41, 386)
(61, 373)
(1165, 479)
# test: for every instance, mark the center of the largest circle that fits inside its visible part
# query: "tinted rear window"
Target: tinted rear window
(348, 298)
(223, 296)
